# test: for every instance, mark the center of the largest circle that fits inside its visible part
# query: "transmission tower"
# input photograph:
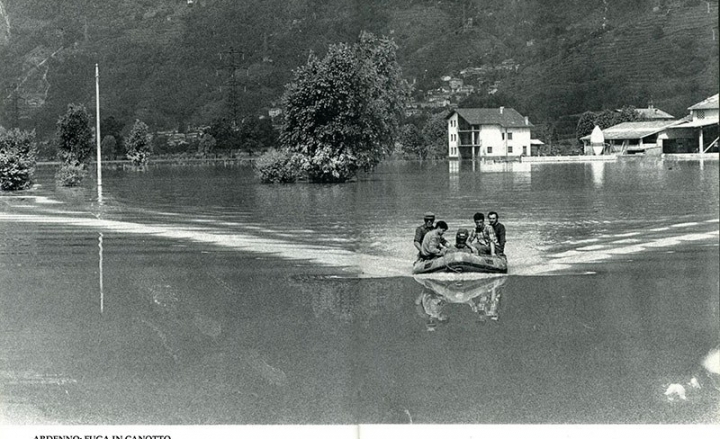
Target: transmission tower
(232, 83)
(13, 88)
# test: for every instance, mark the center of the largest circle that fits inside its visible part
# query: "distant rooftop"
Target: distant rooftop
(505, 117)
(653, 113)
(710, 103)
(634, 130)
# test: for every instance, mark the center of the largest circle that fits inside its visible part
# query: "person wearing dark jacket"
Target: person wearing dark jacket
(499, 232)
(420, 232)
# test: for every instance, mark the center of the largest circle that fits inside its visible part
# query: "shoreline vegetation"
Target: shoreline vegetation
(533, 159)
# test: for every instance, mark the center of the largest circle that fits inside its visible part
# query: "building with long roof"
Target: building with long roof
(695, 133)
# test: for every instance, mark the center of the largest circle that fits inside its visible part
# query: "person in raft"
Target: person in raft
(483, 237)
(461, 245)
(434, 245)
(499, 229)
(420, 232)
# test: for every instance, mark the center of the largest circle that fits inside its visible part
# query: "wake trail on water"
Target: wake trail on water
(369, 261)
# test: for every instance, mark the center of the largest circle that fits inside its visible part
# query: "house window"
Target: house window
(509, 149)
(509, 136)
(700, 114)
(524, 150)
(502, 136)
(489, 149)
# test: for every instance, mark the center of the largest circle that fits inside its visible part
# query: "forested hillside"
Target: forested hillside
(168, 62)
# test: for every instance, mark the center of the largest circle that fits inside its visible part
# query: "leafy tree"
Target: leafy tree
(435, 134)
(342, 111)
(225, 134)
(412, 141)
(585, 125)
(207, 144)
(258, 134)
(113, 127)
(74, 136)
(108, 146)
(138, 143)
(17, 159)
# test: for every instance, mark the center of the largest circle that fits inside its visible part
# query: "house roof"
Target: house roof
(653, 113)
(696, 123)
(710, 103)
(505, 117)
(634, 130)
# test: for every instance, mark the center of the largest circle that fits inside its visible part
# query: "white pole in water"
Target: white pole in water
(97, 130)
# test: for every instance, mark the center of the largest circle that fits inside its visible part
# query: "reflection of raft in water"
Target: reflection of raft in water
(482, 295)
(462, 290)
(459, 262)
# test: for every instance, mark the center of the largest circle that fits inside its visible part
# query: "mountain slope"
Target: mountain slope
(169, 63)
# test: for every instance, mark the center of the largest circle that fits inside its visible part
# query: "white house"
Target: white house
(488, 133)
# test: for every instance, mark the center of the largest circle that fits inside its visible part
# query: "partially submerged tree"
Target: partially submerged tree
(74, 142)
(108, 146)
(342, 111)
(17, 159)
(207, 144)
(138, 143)
(74, 135)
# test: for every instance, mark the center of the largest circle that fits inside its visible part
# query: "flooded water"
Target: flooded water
(195, 295)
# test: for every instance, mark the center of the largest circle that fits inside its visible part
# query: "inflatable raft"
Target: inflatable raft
(459, 262)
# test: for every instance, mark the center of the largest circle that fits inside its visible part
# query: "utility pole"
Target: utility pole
(232, 90)
(13, 88)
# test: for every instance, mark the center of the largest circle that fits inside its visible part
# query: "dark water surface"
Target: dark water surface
(195, 295)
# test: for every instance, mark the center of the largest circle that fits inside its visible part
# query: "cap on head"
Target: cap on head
(429, 216)
(462, 235)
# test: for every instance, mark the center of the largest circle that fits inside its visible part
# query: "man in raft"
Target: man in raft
(420, 232)
(461, 245)
(434, 245)
(483, 237)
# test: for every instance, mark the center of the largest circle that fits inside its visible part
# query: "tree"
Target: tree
(75, 148)
(258, 134)
(585, 125)
(108, 146)
(435, 134)
(412, 141)
(342, 111)
(226, 136)
(138, 143)
(110, 126)
(17, 159)
(207, 144)
(74, 136)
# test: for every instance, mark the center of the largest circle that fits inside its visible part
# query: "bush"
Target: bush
(277, 167)
(138, 143)
(71, 174)
(17, 159)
